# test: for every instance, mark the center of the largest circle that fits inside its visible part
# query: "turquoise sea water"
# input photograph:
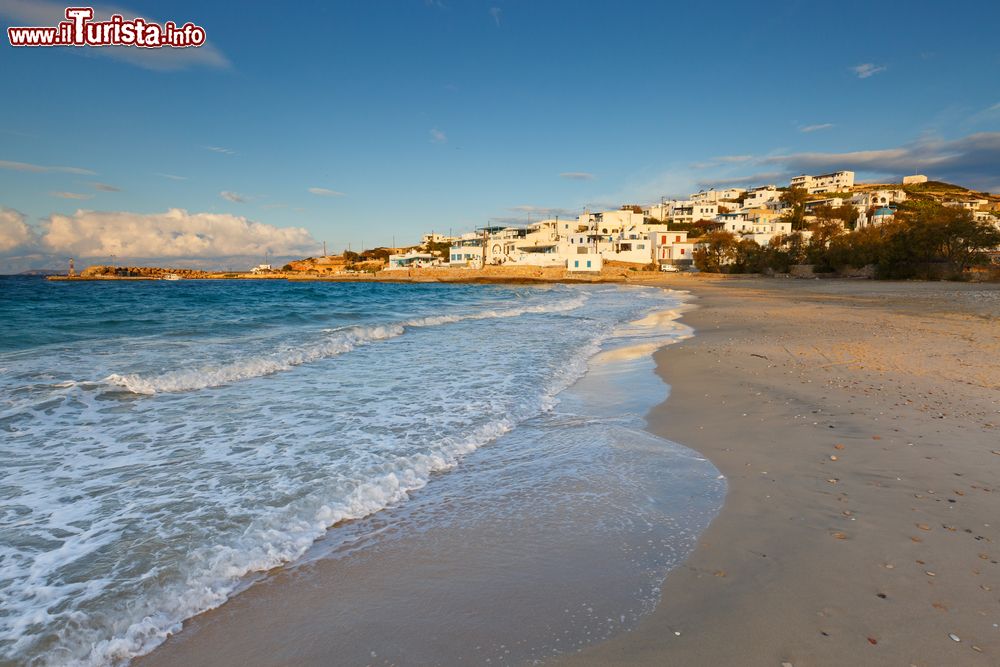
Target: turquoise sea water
(163, 440)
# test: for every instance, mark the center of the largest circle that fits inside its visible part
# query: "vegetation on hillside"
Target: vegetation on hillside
(924, 240)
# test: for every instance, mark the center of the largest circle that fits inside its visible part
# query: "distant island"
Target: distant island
(42, 272)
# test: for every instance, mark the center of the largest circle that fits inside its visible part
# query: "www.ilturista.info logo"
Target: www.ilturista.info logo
(81, 30)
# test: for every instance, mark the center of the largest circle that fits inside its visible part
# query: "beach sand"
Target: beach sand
(858, 424)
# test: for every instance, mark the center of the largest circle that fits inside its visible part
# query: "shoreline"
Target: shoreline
(240, 631)
(860, 523)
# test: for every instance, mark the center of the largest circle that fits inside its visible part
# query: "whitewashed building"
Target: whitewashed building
(412, 259)
(467, 250)
(671, 247)
(758, 197)
(838, 181)
(715, 196)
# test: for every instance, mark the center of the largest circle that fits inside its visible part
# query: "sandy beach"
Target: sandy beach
(857, 425)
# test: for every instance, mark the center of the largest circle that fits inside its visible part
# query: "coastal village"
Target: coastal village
(664, 236)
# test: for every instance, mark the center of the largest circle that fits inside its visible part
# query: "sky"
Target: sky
(364, 123)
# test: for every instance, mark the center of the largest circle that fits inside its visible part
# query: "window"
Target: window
(663, 240)
(683, 251)
(576, 263)
(588, 263)
(676, 239)
(641, 246)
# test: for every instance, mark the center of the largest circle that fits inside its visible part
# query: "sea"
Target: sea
(165, 445)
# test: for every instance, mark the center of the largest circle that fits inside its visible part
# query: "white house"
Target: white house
(585, 263)
(876, 198)
(879, 216)
(467, 251)
(759, 225)
(833, 202)
(838, 181)
(757, 197)
(436, 238)
(412, 259)
(716, 196)
(671, 247)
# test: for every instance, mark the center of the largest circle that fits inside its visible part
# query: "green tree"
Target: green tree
(748, 257)
(795, 199)
(440, 248)
(816, 252)
(783, 252)
(716, 250)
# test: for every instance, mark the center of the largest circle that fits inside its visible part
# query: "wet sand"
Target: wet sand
(858, 424)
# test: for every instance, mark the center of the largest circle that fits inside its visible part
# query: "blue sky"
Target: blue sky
(364, 122)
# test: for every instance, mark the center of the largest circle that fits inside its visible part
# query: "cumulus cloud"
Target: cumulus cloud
(815, 128)
(865, 70)
(577, 176)
(104, 187)
(325, 192)
(15, 234)
(71, 195)
(44, 13)
(41, 169)
(438, 137)
(173, 234)
(234, 197)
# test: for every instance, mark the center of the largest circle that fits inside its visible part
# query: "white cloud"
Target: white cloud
(220, 149)
(496, 13)
(173, 234)
(577, 176)
(866, 70)
(43, 13)
(173, 177)
(234, 197)
(71, 195)
(41, 169)
(104, 187)
(970, 161)
(721, 160)
(325, 192)
(546, 211)
(437, 136)
(14, 231)
(750, 180)
(815, 128)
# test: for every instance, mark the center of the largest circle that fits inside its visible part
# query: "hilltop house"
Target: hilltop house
(838, 181)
